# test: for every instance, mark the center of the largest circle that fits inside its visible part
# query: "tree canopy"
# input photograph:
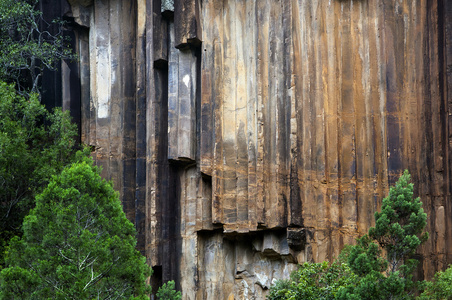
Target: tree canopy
(28, 44)
(77, 244)
(34, 145)
(314, 281)
(440, 287)
(168, 292)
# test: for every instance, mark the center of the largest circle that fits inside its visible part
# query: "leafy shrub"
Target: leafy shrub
(440, 287)
(28, 44)
(168, 292)
(279, 290)
(314, 281)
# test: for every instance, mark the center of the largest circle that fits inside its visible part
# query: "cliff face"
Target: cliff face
(248, 136)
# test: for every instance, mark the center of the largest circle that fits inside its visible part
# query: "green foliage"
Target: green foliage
(34, 145)
(28, 44)
(382, 259)
(399, 225)
(279, 289)
(168, 292)
(314, 281)
(440, 287)
(77, 244)
(365, 257)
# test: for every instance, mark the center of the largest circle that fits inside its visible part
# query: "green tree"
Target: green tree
(314, 281)
(168, 292)
(440, 288)
(279, 289)
(383, 258)
(34, 145)
(28, 44)
(77, 244)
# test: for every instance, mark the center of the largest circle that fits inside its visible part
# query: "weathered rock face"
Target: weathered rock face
(248, 136)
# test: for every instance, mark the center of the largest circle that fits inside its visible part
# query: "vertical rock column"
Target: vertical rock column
(446, 21)
(182, 80)
(109, 125)
(183, 100)
(140, 121)
(245, 144)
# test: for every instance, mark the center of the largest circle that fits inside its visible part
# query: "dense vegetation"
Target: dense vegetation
(314, 281)
(28, 44)
(77, 244)
(34, 145)
(380, 265)
(439, 288)
(168, 292)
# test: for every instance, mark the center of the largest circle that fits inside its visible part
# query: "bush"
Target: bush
(279, 290)
(440, 287)
(314, 281)
(168, 292)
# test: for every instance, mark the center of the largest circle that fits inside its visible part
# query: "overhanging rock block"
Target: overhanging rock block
(296, 238)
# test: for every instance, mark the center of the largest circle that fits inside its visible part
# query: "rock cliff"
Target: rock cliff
(248, 136)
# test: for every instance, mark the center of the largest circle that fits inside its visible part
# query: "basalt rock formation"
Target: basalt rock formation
(248, 136)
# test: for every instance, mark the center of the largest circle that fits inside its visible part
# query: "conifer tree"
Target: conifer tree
(383, 258)
(77, 244)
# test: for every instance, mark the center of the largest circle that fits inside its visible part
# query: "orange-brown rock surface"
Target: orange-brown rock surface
(248, 136)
